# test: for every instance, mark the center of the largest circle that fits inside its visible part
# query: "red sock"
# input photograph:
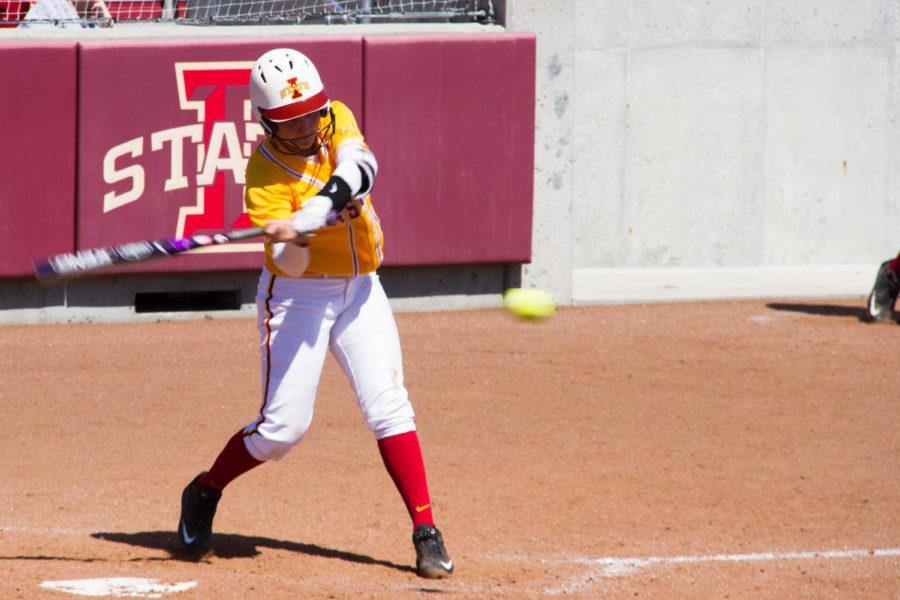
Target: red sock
(233, 461)
(403, 458)
(894, 265)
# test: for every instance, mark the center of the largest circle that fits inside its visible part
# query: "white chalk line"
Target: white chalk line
(607, 567)
(612, 567)
(118, 587)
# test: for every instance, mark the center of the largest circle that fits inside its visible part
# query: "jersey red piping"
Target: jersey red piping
(268, 341)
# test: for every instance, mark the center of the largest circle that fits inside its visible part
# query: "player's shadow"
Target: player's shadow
(232, 545)
(825, 310)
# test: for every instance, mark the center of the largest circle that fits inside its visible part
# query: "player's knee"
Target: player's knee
(389, 413)
(263, 449)
(271, 442)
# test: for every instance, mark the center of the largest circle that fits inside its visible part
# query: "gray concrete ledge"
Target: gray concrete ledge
(593, 286)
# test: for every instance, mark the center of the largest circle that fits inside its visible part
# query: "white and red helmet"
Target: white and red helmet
(284, 85)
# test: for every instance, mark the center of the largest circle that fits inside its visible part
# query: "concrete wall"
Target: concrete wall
(742, 144)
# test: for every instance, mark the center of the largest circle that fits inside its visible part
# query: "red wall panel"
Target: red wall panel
(451, 120)
(37, 153)
(164, 133)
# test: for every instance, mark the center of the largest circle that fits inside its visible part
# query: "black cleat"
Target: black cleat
(198, 507)
(432, 560)
(884, 294)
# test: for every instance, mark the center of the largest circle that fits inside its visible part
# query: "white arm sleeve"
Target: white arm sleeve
(313, 214)
(290, 258)
(357, 166)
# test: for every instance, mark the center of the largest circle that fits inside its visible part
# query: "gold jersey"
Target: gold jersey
(278, 184)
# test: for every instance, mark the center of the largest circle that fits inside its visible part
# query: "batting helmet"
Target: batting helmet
(285, 85)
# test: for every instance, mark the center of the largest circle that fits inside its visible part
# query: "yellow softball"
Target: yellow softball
(529, 303)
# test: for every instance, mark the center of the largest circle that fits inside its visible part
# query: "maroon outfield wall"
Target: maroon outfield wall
(164, 130)
(452, 122)
(37, 153)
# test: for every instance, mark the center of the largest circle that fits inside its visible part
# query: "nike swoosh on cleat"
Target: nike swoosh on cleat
(447, 565)
(184, 534)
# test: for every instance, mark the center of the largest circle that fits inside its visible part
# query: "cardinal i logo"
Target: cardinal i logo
(221, 146)
(294, 88)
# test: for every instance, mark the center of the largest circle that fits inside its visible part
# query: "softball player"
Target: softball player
(317, 292)
(885, 291)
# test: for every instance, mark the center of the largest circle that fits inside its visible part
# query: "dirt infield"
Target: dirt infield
(702, 450)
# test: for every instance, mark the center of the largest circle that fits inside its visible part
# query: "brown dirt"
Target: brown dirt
(667, 430)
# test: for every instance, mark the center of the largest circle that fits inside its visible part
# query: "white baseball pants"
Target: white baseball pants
(299, 320)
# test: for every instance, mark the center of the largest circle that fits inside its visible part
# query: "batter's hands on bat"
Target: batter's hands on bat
(282, 231)
(312, 216)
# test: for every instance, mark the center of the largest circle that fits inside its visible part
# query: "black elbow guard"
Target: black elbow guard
(338, 191)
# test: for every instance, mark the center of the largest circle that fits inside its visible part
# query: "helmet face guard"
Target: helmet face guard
(307, 145)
